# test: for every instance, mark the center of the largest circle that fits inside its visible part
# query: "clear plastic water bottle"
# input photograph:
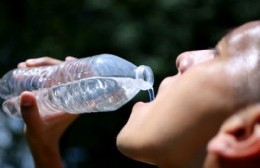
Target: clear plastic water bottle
(100, 83)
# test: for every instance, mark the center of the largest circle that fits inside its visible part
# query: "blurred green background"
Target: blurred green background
(150, 32)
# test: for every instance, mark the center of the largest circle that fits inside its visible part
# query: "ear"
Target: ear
(239, 137)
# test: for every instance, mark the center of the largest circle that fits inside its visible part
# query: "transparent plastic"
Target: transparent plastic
(100, 83)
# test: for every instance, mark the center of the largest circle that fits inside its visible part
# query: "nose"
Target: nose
(190, 58)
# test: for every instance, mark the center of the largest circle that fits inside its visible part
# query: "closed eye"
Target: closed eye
(216, 52)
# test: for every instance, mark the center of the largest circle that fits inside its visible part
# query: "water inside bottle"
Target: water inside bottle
(86, 95)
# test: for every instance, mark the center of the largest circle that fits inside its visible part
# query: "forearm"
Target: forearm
(46, 156)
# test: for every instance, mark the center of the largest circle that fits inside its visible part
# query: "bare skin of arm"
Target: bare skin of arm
(43, 133)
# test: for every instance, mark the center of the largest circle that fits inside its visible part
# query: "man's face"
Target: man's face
(190, 106)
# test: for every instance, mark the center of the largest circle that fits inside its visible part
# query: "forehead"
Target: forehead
(248, 31)
(245, 28)
(242, 39)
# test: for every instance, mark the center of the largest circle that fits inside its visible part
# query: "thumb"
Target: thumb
(30, 112)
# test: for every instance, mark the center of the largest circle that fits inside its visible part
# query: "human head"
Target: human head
(237, 143)
(212, 86)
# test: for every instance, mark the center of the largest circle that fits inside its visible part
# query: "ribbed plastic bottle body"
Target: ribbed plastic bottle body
(100, 83)
(93, 94)
(18, 80)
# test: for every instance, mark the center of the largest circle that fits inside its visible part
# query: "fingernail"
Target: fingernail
(29, 61)
(21, 65)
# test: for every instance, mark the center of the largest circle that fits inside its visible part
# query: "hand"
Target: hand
(42, 61)
(43, 132)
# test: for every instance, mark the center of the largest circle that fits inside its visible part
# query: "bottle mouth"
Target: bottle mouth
(145, 73)
(12, 108)
(4, 91)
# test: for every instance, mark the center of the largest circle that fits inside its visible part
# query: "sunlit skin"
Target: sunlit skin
(176, 129)
(190, 106)
(43, 132)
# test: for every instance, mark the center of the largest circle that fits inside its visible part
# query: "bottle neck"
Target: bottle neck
(145, 73)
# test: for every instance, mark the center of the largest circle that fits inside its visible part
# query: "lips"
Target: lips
(138, 106)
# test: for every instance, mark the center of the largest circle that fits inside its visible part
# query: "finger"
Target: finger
(30, 112)
(43, 61)
(22, 65)
(68, 118)
(70, 58)
(60, 122)
(60, 117)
